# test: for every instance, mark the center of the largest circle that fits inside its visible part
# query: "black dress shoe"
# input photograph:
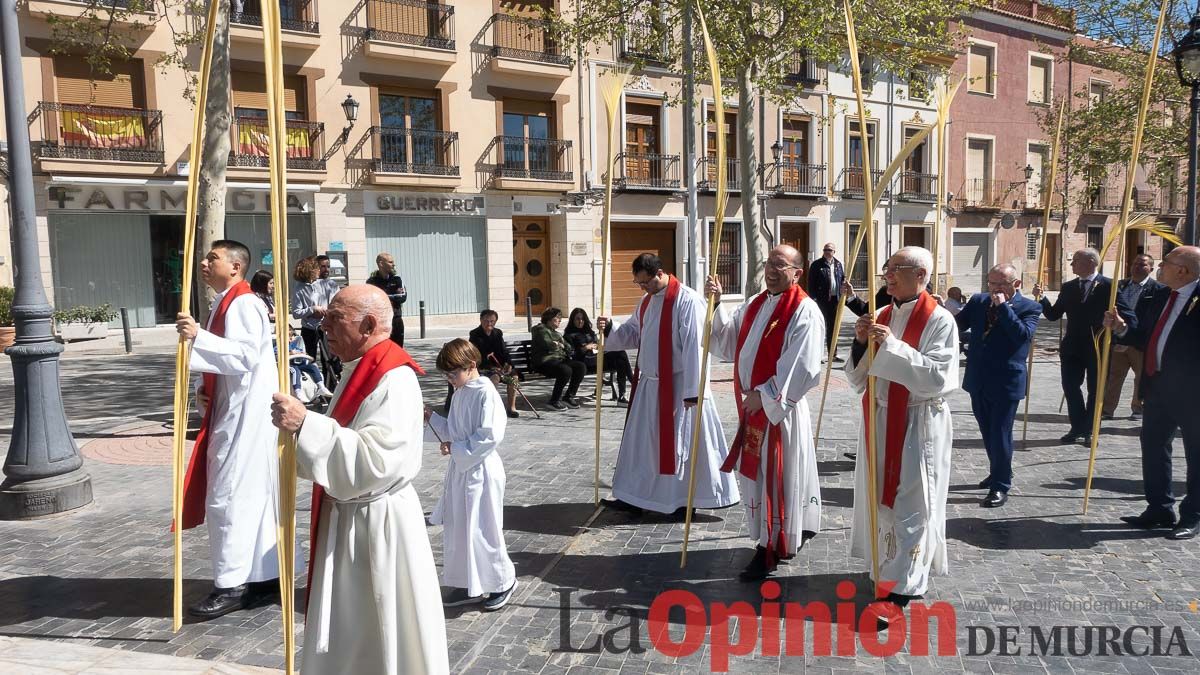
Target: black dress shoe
(758, 569)
(512, 414)
(1084, 440)
(571, 402)
(619, 505)
(1186, 529)
(259, 593)
(1149, 520)
(1068, 437)
(220, 602)
(986, 483)
(994, 499)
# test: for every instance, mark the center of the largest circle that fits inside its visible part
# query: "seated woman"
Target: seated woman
(584, 344)
(549, 356)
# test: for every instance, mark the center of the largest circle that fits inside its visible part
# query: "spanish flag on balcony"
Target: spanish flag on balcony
(103, 130)
(253, 141)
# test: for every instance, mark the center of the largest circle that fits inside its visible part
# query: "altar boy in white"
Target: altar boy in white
(475, 563)
(917, 366)
(652, 465)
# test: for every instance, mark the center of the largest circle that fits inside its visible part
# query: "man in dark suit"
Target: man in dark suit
(1166, 328)
(825, 277)
(1083, 300)
(1001, 324)
(1125, 358)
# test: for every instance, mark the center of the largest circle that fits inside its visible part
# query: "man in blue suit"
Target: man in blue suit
(1001, 324)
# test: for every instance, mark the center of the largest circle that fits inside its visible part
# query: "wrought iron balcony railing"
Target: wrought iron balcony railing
(294, 15)
(530, 39)
(305, 144)
(1174, 203)
(401, 150)
(1107, 199)
(647, 171)
(918, 187)
(795, 178)
(707, 179)
(803, 70)
(851, 184)
(533, 158)
(411, 22)
(983, 194)
(645, 40)
(98, 132)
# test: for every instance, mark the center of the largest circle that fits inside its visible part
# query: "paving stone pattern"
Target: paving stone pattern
(101, 576)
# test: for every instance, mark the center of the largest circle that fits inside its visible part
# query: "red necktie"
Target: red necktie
(1152, 348)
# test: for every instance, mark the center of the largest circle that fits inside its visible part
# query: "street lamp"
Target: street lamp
(1187, 67)
(43, 472)
(350, 109)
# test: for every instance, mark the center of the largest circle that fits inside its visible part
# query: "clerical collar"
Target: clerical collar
(900, 303)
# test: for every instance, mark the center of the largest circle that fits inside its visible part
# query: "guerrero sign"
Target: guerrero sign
(423, 204)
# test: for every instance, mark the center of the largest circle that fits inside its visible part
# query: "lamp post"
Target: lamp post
(1187, 67)
(43, 470)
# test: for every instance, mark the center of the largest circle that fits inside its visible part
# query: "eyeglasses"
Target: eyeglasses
(829, 250)
(1000, 284)
(893, 270)
(643, 284)
(782, 267)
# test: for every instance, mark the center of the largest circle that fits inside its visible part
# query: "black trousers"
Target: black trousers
(1074, 368)
(829, 311)
(398, 329)
(566, 374)
(995, 418)
(311, 337)
(618, 364)
(1163, 414)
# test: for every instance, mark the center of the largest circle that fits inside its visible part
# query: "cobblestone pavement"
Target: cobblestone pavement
(100, 576)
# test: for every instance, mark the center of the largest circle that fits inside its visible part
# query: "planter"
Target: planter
(83, 331)
(8, 335)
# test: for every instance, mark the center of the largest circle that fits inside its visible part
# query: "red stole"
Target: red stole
(195, 481)
(377, 362)
(897, 407)
(666, 376)
(747, 443)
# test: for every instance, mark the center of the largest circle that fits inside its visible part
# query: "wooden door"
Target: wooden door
(1053, 261)
(916, 236)
(531, 264)
(1133, 246)
(796, 236)
(794, 154)
(629, 240)
(640, 143)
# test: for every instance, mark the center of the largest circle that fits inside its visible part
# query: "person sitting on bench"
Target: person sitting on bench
(584, 343)
(549, 356)
(496, 365)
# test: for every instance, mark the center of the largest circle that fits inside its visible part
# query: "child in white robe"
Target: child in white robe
(476, 565)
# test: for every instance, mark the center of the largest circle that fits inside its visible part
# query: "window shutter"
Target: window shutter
(250, 91)
(76, 84)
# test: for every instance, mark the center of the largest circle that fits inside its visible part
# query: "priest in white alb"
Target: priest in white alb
(231, 478)
(775, 340)
(916, 367)
(374, 605)
(653, 463)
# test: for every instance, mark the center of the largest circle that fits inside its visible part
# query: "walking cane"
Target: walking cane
(517, 386)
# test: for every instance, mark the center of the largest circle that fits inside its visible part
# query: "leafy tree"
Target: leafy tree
(756, 41)
(1115, 36)
(109, 31)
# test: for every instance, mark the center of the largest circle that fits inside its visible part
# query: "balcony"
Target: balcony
(646, 41)
(1035, 201)
(418, 157)
(1173, 203)
(409, 30)
(984, 194)
(795, 179)
(305, 144)
(918, 187)
(1107, 199)
(296, 18)
(852, 186)
(141, 20)
(526, 47)
(533, 164)
(708, 174)
(74, 134)
(802, 70)
(647, 172)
